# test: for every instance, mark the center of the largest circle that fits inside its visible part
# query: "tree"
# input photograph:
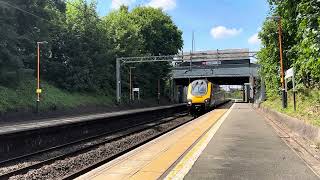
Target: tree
(82, 48)
(123, 33)
(79, 58)
(142, 32)
(160, 35)
(269, 57)
(23, 23)
(9, 53)
(308, 46)
(300, 26)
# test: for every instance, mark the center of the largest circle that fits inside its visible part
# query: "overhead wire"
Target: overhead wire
(34, 15)
(55, 25)
(29, 13)
(26, 12)
(22, 10)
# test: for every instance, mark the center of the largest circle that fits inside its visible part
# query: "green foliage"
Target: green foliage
(160, 35)
(79, 51)
(23, 97)
(123, 33)
(234, 94)
(308, 48)
(301, 42)
(269, 57)
(82, 47)
(143, 31)
(308, 105)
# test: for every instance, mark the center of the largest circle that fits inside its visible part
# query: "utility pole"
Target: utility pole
(118, 79)
(191, 54)
(284, 94)
(130, 79)
(192, 50)
(38, 90)
(193, 42)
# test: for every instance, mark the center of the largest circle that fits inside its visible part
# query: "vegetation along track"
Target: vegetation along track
(46, 164)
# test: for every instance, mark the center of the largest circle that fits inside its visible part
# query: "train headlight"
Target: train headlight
(189, 102)
(207, 101)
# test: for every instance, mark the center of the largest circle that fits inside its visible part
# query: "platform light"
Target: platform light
(38, 90)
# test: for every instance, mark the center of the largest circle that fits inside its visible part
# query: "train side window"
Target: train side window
(212, 90)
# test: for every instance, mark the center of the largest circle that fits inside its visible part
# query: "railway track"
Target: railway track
(85, 145)
(22, 139)
(107, 159)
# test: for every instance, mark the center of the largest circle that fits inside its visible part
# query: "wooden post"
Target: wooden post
(284, 95)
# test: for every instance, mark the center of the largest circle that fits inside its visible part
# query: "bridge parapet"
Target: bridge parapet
(221, 70)
(219, 55)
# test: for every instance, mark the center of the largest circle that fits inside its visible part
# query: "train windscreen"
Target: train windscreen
(199, 88)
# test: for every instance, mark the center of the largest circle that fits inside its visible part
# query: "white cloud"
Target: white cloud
(163, 4)
(220, 32)
(115, 4)
(254, 39)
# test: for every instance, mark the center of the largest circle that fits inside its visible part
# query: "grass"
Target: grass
(308, 106)
(23, 97)
(237, 94)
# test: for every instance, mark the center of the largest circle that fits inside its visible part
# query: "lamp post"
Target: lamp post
(38, 90)
(130, 79)
(284, 95)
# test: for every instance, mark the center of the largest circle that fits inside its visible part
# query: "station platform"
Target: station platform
(44, 123)
(227, 143)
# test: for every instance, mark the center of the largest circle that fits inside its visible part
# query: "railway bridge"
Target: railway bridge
(223, 67)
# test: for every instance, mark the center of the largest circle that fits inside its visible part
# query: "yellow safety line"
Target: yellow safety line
(159, 165)
(185, 164)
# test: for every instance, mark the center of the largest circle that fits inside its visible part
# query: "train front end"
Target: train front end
(199, 92)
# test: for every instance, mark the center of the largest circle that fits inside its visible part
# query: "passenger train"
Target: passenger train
(203, 96)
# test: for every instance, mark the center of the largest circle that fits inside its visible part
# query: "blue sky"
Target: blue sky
(218, 24)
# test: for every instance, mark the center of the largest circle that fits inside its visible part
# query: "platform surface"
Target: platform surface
(36, 124)
(153, 159)
(235, 143)
(246, 147)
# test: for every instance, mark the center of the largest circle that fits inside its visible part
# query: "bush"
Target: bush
(23, 97)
